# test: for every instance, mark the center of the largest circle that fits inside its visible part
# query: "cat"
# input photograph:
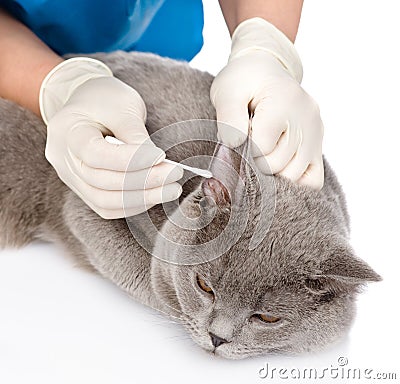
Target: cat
(286, 284)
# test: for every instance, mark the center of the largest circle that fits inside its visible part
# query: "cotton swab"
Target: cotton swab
(198, 171)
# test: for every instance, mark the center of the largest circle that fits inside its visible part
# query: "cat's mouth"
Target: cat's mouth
(233, 350)
(229, 350)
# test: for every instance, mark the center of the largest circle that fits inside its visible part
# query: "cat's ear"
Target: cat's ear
(227, 167)
(342, 271)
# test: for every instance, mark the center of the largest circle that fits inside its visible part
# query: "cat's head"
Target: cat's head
(282, 277)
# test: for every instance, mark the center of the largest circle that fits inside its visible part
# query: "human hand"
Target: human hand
(82, 102)
(262, 78)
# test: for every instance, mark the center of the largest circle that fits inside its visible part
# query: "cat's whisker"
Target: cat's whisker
(173, 316)
(166, 321)
(174, 309)
(178, 337)
(166, 313)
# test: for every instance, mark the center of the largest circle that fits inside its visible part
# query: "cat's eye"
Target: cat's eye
(266, 318)
(203, 285)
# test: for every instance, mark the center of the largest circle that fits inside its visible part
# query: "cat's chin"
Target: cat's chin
(236, 353)
(230, 354)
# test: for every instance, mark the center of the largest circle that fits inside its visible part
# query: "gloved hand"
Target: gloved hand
(263, 78)
(81, 102)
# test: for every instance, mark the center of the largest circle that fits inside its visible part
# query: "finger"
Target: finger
(282, 153)
(313, 175)
(128, 199)
(296, 167)
(148, 178)
(87, 143)
(308, 149)
(112, 213)
(267, 128)
(233, 122)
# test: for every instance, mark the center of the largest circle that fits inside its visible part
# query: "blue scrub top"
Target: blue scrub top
(171, 28)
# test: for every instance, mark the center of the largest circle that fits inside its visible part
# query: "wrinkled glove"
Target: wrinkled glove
(81, 102)
(262, 79)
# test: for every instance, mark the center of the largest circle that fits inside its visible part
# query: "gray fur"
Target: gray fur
(304, 270)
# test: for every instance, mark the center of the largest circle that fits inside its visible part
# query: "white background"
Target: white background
(59, 324)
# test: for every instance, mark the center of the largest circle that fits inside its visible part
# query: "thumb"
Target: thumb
(233, 122)
(126, 113)
(132, 130)
(129, 127)
(267, 128)
(129, 124)
(314, 175)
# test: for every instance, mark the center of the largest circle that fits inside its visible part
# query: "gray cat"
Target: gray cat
(288, 282)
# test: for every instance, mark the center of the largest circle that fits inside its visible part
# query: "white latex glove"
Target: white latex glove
(81, 102)
(263, 77)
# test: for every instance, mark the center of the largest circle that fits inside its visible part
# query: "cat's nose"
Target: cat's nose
(216, 340)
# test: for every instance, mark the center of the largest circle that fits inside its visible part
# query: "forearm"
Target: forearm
(283, 14)
(24, 62)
